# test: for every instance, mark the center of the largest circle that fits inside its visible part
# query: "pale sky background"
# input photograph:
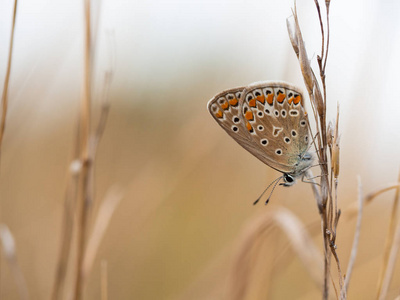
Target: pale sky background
(167, 43)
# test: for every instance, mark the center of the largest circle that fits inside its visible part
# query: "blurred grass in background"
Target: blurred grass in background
(188, 187)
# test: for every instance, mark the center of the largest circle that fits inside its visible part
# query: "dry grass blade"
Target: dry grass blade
(303, 58)
(104, 280)
(67, 230)
(104, 215)
(292, 37)
(354, 248)
(4, 98)
(87, 165)
(351, 211)
(390, 264)
(301, 243)
(8, 244)
(389, 240)
(336, 148)
(391, 186)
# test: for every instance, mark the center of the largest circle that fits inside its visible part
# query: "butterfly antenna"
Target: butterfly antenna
(266, 202)
(258, 199)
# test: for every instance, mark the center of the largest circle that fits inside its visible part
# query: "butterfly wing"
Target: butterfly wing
(225, 109)
(277, 123)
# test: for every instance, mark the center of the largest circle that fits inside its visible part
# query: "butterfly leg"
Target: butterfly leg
(310, 180)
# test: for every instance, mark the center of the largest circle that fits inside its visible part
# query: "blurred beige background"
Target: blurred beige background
(188, 187)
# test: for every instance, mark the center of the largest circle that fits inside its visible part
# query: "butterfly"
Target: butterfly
(269, 120)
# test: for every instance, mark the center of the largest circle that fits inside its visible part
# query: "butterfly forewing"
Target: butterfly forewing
(275, 111)
(267, 119)
(225, 109)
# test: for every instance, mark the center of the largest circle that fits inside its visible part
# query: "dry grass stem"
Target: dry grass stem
(327, 204)
(82, 184)
(67, 229)
(104, 280)
(354, 248)
(388, 187)
(302, 245)
(389, 242)
(390, 264)
(351, 211)
(9, 251)
(4, 97)
(84, 193)
(106, 210)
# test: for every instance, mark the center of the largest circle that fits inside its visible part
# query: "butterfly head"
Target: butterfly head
(288, 179)
(303, 164)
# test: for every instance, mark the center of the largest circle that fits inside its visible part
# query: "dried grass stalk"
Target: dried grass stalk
(107, 208)
(354, 248)
(8, 243)
(84, 193)
(4, 97)
(327, 204)
(386, 268)
(302, 245)
(390, 264)
(67, 229)
(104, 280)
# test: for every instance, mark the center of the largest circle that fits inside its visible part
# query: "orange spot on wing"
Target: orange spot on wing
(297, 99)
(233, 102)
(248, 126)
(281, 97)
(225, 105)
(290, 100)
(252, 103)
(249, 115)
(219, 114)
(270, 99)
(261, 99)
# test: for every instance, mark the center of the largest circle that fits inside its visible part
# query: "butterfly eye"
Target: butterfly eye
(288, 178)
